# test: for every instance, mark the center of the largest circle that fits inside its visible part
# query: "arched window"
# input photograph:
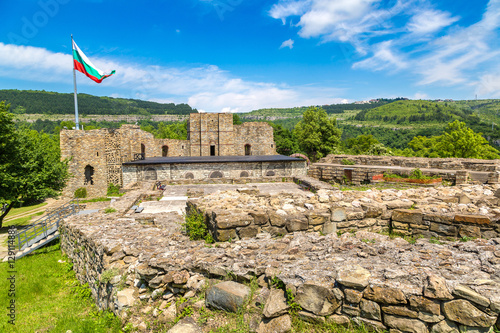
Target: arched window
(248, 149)
(89, 175)
(164, 151)
(244, 174)
(143, 150)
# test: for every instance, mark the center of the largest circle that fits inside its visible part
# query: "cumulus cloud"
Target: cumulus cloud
(203, 87)
(288, 43)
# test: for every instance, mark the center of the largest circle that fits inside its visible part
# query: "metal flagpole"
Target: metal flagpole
(77, 125)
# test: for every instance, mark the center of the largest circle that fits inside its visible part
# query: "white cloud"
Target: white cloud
(384, 58)
(203, 87)
(409, 35)
(288, 43)
(284, 9)
(489, 86)
(420, 95)
(429, 21)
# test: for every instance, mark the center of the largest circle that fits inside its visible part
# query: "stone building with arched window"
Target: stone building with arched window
(128, 154)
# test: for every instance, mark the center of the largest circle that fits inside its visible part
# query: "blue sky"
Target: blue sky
(240, 55)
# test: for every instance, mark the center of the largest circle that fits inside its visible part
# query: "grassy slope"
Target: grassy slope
(50, 299)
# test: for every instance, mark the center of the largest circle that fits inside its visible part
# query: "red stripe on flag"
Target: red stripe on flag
(79, 67)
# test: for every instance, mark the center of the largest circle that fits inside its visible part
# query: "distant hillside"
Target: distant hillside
(411, 112)
(280, 113)
(52, 103)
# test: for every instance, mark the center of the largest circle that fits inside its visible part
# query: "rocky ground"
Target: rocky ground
(421, 286)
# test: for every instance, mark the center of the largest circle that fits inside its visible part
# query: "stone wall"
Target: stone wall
(104, 150)
(418, 162)
(145, 264)
(204, 171)
(442, 214)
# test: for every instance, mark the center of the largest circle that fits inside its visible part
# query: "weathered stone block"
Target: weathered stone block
(317, 298)
(338, 215)
(353, 296)
(400, 225)
(372, 210)
(384, 295)
(296, 223)
(281, 324)
(259, 218)
(310, 317)
(329, 228)
(223, 235)
(444, 229)
(233, 220)
(275, 231)
(276, 304)
(445, 326)
(419, 303)
(276, 219)
(186, 325)
(465, 313)
(407, 215)
(399, 204)
(228, 296)
(469, 294)
(445, 219)
(249, 232)
(318, 218)
(370, 310)
(353, 276)
(472, 219)
(351, 310)
(469, 231)
(400, 311)
(405, 324)
(436, 288)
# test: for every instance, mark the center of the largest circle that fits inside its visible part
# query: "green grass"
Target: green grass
(15, 211)
(100, 199)
(50, 299)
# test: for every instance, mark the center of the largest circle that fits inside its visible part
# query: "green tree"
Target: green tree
(361, 144)
(460, 141)
(236, 119)
(286, 144)
(30, 164)
(457, 141)
(317, 134)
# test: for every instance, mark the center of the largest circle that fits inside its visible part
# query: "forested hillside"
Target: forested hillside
(44, 102)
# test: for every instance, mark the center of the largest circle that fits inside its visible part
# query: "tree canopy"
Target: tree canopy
(457, 141)
(30, 164)
(317, 134)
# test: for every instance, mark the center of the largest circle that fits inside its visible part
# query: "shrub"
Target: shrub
(113, 190)
(80, 192)
(109, 210)
(195, 226)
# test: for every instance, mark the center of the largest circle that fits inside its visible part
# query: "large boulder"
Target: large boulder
(186, 325)
(276, 304)
(317, 298)
(228, 296)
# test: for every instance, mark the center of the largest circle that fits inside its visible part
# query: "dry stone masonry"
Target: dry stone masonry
(364, 167)
(443, 212)
(147, 263)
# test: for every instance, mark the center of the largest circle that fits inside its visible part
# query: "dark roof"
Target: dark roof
(214, 159)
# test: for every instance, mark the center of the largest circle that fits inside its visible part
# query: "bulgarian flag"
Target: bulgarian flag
(83, 64)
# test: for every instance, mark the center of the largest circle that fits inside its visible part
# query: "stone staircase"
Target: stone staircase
(42, 231)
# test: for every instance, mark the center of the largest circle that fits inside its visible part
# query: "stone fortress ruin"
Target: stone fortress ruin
(215, 148)
(334, 251)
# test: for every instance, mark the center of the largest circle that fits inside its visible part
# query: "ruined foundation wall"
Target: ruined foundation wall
(375, 281)
(205, 171)
(418, 162)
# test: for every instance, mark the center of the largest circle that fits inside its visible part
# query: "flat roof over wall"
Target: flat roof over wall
(214, 159)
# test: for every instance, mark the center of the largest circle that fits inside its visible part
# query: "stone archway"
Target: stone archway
(150, 174)
(303, 157)
(164, 151)
(216, 174)
(89, 175)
